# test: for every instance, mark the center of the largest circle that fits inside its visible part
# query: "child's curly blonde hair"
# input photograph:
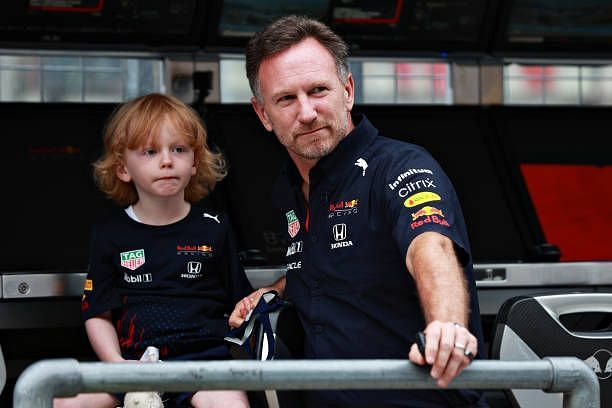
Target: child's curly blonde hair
(133, 123)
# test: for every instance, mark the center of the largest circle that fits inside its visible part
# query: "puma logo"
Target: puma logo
(214, 217)
(363, 164)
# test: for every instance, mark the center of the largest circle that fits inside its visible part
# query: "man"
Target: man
(377, 243)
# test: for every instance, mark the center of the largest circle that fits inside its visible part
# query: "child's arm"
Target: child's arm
(247, 304)
(103, 338)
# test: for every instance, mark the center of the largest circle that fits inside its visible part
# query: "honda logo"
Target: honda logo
(339, 231)
(194, 268)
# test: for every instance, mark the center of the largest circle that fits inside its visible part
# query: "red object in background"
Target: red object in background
(574, 206)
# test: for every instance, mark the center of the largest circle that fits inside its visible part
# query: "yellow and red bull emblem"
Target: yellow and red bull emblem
(352, 203)
(425, 211)
(88, 285)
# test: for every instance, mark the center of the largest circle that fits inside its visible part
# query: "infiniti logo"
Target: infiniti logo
(339, 231)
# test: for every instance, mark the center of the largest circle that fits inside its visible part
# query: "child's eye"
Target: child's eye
(149, 152)
(181, 149)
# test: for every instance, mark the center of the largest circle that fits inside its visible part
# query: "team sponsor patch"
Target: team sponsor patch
(201, 250)
(362, 164)
(212, 217)
(428, 215)
(342, 207)
(194, 270)
(133, 259)
(294, 265)
(421, 198)
(427, 210)
(88, 284)
(141, 278)
(413, 186)
(293, 224)
(340, 235)
(410, 172)
(294, 248)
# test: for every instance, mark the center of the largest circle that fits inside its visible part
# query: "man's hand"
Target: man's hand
(449, 348)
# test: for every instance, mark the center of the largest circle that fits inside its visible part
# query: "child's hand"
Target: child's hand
(242, 308)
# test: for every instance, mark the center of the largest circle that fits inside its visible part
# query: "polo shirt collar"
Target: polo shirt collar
(334, 165)
(341, 160)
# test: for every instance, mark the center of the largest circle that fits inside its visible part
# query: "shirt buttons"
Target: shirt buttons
(318, 329)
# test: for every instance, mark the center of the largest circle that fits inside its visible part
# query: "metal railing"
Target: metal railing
(43, 380)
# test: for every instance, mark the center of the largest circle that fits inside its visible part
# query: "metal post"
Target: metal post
(46, 379)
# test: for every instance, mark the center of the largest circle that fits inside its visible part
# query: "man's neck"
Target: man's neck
(303, 166)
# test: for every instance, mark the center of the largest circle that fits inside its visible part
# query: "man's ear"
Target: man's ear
(261, 113)
(349, 93)
(122, 173)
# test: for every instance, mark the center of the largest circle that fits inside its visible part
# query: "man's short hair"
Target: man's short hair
(286, 32)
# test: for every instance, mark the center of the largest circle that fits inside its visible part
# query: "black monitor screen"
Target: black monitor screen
(243, 18)
(60, 22)
(394, 26)
(557, 25)
(419, 25)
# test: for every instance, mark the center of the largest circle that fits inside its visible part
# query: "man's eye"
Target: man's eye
(285, 98)
(318, 89)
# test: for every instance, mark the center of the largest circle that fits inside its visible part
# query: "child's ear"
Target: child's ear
(194, 170)
(122, 173)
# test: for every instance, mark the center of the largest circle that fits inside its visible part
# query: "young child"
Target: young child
(163, 272)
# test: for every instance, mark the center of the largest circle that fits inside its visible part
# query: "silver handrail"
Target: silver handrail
(45, 379)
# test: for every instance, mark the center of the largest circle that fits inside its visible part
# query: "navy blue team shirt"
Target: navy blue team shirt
(346, 269)
(168, 286)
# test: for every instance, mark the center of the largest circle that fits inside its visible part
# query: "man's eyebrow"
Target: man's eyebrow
(280, 93)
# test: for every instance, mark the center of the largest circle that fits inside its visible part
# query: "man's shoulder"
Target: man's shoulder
(391, 154)
(397, 147)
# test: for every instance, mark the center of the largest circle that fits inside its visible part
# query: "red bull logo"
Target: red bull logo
(336, 206)
(426, 211)
(429, 219)
(340, 205)
(352, 204)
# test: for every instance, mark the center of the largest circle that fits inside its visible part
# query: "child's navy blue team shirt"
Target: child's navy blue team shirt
(346, 269)
(168, 286)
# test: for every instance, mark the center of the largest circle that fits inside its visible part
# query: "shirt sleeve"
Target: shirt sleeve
(419, 197)
(100, 292)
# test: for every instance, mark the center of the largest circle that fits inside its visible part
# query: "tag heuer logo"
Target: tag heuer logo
(132, 259)
(293, 224)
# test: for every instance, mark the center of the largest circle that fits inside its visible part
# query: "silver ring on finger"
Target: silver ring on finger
(460, 345)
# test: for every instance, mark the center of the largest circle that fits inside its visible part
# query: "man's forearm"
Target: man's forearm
(439, 279)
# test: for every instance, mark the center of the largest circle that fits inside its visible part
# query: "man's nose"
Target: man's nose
(308, 111)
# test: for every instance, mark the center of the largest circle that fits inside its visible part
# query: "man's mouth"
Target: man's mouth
(309, 132)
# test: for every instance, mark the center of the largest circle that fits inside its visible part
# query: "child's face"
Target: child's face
(162, 167)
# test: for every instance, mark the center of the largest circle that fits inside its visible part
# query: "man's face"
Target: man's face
(303, 100)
